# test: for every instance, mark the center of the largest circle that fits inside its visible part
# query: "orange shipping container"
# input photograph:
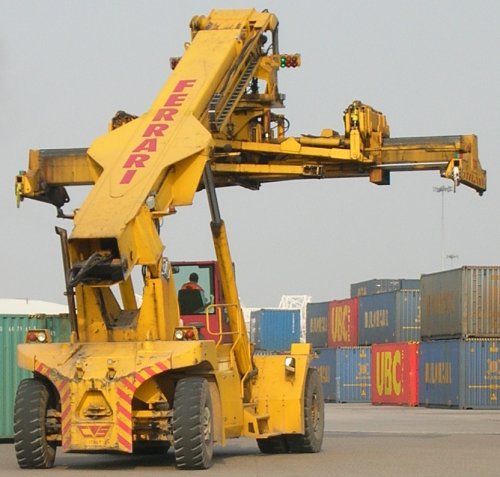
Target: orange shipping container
(343, 323)
(395, 373)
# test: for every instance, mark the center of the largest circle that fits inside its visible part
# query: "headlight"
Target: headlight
(37, 336)
(179, 335)
(290, 364)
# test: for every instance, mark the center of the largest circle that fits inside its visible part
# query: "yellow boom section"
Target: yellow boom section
(156, 161)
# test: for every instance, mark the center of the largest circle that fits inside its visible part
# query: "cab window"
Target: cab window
(195, 287)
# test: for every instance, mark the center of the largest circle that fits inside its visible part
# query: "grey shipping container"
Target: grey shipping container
(460, 373)
(461, 303)
(275, 329)
(389, 317)
(353, 374)
(383, 285)
(13, 329)
(317, 324)
(325, 364)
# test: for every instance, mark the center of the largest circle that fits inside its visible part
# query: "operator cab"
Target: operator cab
(198, 286)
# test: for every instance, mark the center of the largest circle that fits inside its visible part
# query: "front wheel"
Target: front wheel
(314, 417)
(193, 424)
(33, 449)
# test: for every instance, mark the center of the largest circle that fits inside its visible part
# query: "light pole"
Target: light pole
(442, 189)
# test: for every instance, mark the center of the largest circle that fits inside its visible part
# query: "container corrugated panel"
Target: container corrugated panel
(317, 324)
(353, 374)
(383, 285)
(276, 329)
(389, 317)
(408, 315)
(13, 329)
(460, 373)
(464, 302)
(343, 323)
(439, 373)
(395, 374)
(325, 364)
(376, 317)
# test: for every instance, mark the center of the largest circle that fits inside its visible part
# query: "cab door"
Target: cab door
(194, 302)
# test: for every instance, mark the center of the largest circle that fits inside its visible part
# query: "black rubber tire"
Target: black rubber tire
(33, 451)
(273, 445)
(314, 417)
(193, 424)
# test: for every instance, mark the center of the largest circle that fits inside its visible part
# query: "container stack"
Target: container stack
(344, 333)
(352, 362)
(344, 367)
(389, 322)
(459, 355)
(433, 341)
(331, 328)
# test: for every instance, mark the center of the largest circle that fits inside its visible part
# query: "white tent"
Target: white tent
(12, 306)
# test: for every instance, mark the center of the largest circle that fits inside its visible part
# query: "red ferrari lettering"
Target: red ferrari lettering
(136, 160)
(162, 119)
(128, 176)
(165, 114)
(146, 145)
(175, 99)
(155, 130)
(183, 84)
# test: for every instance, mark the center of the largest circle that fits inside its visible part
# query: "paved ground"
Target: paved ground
(360, 440)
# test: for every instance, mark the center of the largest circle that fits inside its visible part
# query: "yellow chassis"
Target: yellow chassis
(112, 395)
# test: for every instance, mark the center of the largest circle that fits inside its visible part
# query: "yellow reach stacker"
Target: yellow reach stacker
(139, 379)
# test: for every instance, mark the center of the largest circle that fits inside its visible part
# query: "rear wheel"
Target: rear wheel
(193, 424)
(314, 417)
(33, 450)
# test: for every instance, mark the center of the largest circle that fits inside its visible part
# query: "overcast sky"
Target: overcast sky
(431, 66)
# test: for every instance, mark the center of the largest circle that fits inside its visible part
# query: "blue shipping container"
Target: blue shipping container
(317, 324)
(389, 317)
(275, 329)
(460, 373)
(325, 364)
(353, 374)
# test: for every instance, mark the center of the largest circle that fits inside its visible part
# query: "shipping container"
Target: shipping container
(325, 364)
(383, 285)
(461, 303)
(389, 317)
(353, 374)
(13, 329)
(275, 329)
(395, 373)
(317, 324)
(460, 373)
(343, 323)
